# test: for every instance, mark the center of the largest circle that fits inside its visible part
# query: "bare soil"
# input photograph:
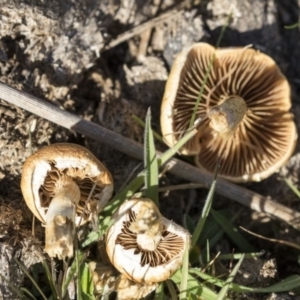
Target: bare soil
(67, 52)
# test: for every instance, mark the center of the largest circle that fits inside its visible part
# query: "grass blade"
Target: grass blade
(194, 287)
(130, 189)
(92, 237)
(171, 289)
(292, 187)
(184, 275)
(207, 252)
(286, 285)
(86, 282)
(224, 290)
(104, 223)
(25, 291)
(233, 233)
(78, 272)
(49, 279)
(23, 268)
(211, 232)
(159, 293)
(70, 274)
(172, 151)
(142, 123)
(206, 209)
(150, 162)
(296, 25)
(137, 182)
(237, 256)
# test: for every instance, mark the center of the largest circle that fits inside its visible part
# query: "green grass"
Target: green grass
(150, 163)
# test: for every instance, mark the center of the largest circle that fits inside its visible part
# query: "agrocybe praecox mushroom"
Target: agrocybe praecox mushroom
(143, 245)
(244, 109)
(56, 183)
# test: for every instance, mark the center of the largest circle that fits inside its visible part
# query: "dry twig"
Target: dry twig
(132, 148)
(174, 13)
(282, 242)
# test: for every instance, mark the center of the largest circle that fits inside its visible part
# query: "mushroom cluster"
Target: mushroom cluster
(244, 111)
(64, 185)
(144, 246)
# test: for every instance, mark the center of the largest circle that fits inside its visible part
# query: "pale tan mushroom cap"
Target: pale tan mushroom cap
(135, 263)
(265, 138)
(128, 289)
(41, 170)
(106, 280)
(104, 277)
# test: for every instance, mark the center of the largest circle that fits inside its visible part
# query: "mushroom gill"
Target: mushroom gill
(265, 137)
(143, 245)
(51, 183)
(169, 245)
(85, 184)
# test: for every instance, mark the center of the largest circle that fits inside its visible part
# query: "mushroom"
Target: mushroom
(244, 111)
(143, 245)
(56, 184)
(105, 281)
(128, 289)
(103, 277)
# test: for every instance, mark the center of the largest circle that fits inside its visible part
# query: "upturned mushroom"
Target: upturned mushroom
(56, 184)
(244, 111)
(143, 245)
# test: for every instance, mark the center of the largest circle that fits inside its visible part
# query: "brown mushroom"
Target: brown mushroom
(106, 280)
(128, 289)
(56, 183)
(247, 95)
(143, 245)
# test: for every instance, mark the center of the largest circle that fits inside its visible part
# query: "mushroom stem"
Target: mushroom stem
(147, 226)
(226, 117)
(60, 219)
(149, 240)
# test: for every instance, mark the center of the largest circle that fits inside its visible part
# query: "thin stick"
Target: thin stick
(145, 26)
(132, 148)
(282, 242)
(182, 187)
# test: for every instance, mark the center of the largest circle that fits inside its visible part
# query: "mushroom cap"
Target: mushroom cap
(265, 138)
(103, 277)
(130, 259)
(128, 289)
(45, 166)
